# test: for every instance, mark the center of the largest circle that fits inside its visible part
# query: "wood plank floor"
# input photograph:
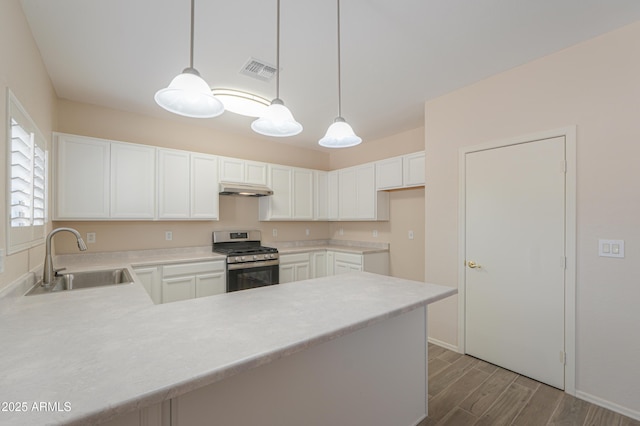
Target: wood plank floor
(467, 391)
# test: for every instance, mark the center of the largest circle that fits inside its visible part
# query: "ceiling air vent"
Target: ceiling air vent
(258, 69)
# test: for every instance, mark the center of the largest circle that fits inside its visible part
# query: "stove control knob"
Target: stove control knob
(237, 259)
(243, 258)
(255, 257)
(269, 256)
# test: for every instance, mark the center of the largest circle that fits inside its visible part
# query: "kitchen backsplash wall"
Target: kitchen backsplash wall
(235, 213)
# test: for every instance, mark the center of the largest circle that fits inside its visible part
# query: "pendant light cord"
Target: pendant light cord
(192, 20)
(278, 53)
(339, 68)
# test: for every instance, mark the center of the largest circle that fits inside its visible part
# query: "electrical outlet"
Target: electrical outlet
(375, 233)
(91, 237)
(341, 231)
(168, 235)
(274, 232)
(411, 235)
(306, 232)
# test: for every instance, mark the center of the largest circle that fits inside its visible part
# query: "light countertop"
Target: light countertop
(110, 350)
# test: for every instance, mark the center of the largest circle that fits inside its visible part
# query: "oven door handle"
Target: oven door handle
(251, 265)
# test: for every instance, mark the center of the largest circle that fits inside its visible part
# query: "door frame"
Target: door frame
(569, 134)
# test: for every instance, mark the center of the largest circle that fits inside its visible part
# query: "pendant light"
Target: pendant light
(188, 94)
(339, 134)
(277, 120)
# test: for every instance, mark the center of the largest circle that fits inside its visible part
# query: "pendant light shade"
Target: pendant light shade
(340, 134)
(188, 94)
(277, 120)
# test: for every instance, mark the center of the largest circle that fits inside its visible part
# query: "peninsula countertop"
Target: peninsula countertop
(105, 351)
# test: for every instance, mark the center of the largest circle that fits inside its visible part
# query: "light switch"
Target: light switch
(611, 248)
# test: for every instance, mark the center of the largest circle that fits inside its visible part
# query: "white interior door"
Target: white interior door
(515, 257)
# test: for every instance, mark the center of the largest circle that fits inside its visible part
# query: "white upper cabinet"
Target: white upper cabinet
(321, 195)
(303, 194)
(278, 206)
(82, 175)
(242, 171)
(204, 187)
(332, 195)
(187, 185)
(413, 168)
(389, 173)
(293, 194)
(173, 184)
(358, 198)
(133, 185)
(404, 171)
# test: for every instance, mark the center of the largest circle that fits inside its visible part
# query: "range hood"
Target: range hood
(243, 189)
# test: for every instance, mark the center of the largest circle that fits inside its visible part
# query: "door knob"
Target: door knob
(473, 265)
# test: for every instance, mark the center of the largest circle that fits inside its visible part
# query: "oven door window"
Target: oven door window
(246, 278)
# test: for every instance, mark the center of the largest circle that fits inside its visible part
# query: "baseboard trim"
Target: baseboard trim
(609, 405)
(443, 344)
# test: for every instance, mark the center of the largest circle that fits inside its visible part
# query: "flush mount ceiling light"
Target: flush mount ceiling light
(277, 120)
(242, 103)
(339, 134)
(188, 94)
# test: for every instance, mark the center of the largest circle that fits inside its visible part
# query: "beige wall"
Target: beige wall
(21, 70)
(596, 86)
(399, 144)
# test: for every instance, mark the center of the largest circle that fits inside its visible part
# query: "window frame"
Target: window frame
(32, 232)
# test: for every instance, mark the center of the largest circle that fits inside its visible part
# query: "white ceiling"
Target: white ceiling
(395, 54)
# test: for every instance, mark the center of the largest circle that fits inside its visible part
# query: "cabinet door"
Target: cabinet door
(231, 169)
(319, 264)
(204, 187)
(303, 194)
(287, 273)
(348, 194)
(82, 178)
(366, 192)
(211, 284)
(333, 194)
(173, 178)
(414, 169)
(389, 173)
(133, 181)
(150, 278)
(302, 271)
(321, 196)
(281, 184)
(255, 173)
(179, 288)
(344, 267)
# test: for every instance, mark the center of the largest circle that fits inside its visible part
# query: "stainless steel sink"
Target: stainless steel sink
(87, 279)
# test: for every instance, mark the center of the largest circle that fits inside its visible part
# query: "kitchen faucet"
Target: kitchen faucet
(49, 273)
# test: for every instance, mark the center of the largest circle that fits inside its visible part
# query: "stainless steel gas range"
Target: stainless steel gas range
(249, 263)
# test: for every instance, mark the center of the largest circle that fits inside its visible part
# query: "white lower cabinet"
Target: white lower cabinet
(319, 264)
(150, 278)
(377, 262)
(294, 267)
(182, 281)
(322, 263)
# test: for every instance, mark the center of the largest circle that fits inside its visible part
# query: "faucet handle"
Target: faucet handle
(56, 270)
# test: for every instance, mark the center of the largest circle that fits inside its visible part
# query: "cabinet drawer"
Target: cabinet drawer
(355, 259)
(192, 268)
(294, 258)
